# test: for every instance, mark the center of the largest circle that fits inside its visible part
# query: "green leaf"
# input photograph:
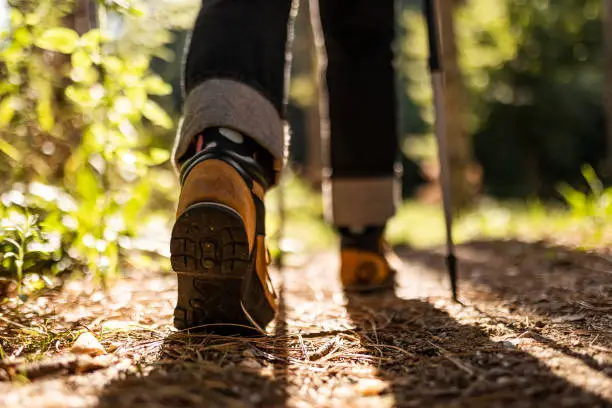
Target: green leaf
(137, 96)
(593, 181)
(158, 156)
(87, 183)
(16, 17)
(81, 97)
(91, 40)
(59, 39)
(13, 53)
(135, 12)
(137, 64)
(165, 54)
(7, 110)
(574, 198)
(43, 107)
(45, 115)
(13, 242)
(32, 19)
(155, 85)
(157, 115)
(123, 105)
(80, 59)
(113, 65)
(23, 36)
(9, 150)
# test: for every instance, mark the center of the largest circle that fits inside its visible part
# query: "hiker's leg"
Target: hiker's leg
(361, 187)
(236, 72)
(229, 150)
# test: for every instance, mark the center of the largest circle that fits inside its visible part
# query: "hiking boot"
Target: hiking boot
(218, 246)
(364, 261)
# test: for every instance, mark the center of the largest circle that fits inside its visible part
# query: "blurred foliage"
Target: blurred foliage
(421, 224)
(75, 125)
(484, 39)
(304, 229)
(533, 70)
(545, 116)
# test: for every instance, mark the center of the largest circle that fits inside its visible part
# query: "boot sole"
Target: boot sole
(210, 254)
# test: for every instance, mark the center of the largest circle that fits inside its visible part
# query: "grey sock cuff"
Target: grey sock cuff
(232, 104)
(361, 202)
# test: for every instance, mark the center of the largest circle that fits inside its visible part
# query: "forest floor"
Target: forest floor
(534, 329)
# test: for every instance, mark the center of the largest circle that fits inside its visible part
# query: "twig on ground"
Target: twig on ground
(591, 307)
(65, 365)
(328, 348)
(303, 346)
(602, 349)
(21, 326)
(452, 359)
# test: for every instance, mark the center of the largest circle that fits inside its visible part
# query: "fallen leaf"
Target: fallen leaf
(87, 344)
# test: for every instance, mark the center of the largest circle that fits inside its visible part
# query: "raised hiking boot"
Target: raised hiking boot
(218, 244)
(364, 261)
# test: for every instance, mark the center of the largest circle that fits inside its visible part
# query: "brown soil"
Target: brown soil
(534, 330)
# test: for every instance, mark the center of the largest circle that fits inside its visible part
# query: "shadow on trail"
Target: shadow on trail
(436, 361)
(428, 358)
(569, 289)
(208, 371)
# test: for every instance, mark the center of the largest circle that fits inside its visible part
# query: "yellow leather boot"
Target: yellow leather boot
(218, 247)
(364, 263)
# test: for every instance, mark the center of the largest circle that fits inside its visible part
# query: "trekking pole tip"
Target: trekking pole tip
(451, 263)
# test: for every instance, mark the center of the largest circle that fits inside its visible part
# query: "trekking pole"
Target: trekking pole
(437, 82)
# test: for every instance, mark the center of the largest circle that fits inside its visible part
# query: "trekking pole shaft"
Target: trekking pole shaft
(437, 82)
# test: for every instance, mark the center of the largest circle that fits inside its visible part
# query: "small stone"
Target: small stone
(87, 344)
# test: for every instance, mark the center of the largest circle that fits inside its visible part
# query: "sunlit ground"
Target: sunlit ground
(533, 331)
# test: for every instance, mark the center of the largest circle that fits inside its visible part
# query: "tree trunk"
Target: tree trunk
(455, 102)
(607, 27)
(84, 17)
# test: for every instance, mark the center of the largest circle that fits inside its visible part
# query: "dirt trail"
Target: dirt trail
(534, 330)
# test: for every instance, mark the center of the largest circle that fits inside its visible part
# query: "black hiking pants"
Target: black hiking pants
(237, 74)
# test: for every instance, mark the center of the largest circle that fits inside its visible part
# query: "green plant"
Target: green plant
(21, 234)
(594, 205)
(76, 120)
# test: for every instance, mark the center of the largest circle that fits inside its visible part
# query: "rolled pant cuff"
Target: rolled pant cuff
(232, 104)
(361, 202)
